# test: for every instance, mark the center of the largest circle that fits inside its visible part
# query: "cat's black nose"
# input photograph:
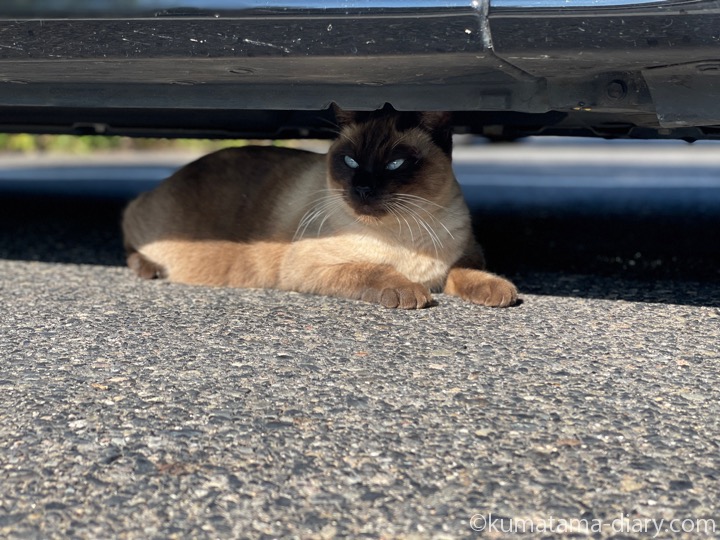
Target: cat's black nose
(363, 191)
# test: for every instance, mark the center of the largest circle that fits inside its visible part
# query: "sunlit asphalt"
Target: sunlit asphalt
(149, 410)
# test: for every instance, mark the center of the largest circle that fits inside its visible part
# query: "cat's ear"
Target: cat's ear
(435, 120)
(439, 125)
(343, 118)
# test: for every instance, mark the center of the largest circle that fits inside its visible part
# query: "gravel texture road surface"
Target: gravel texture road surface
(134, 409)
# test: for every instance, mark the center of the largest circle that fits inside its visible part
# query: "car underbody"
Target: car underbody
(225, 68)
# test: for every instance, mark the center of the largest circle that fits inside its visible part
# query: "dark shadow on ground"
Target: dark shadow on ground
(632, 244)
(644, 244)
(61, 229)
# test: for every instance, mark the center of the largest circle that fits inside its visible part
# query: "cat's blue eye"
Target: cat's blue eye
(350, 162)
(395, 164)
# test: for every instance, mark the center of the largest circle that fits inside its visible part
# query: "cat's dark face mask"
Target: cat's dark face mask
(371, 174)
(385, 163)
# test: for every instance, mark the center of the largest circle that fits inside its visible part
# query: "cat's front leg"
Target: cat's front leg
(481, 287)
(376, 283)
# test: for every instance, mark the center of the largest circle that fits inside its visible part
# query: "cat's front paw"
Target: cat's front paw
(410, 296)
(496, 292)
(481, 288)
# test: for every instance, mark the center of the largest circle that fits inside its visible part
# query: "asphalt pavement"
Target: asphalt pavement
(134, 409)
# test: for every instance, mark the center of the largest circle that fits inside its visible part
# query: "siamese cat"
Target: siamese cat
(380, 218)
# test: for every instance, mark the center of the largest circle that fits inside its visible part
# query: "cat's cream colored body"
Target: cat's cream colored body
(235, 218)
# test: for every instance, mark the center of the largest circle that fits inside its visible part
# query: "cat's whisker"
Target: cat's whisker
(396, 210)
(328, 194)
(322, 206)
(424, 225)
(432, 216)
(428, 227)
(327, 190)
(307, 220)
(431, 235)
(407, 223)
(336, 128)
(318, 206)
(332, 212)
(389, 209)
(423, 200)
(392, 209)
